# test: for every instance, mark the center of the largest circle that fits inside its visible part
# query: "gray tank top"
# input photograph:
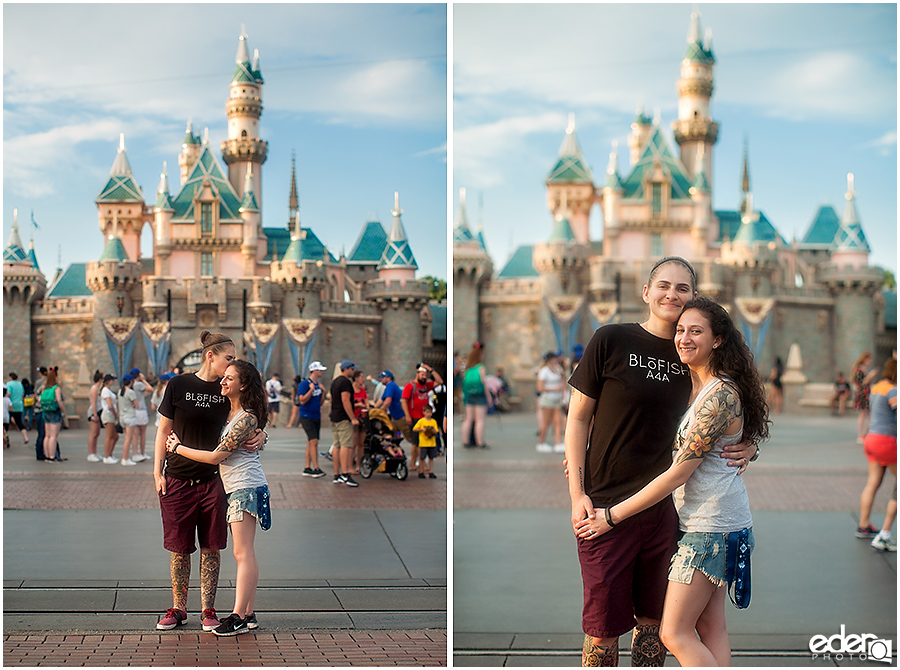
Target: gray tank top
(714, 499)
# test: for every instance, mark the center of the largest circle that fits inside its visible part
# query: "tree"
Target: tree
(437, 288)
(889, 280)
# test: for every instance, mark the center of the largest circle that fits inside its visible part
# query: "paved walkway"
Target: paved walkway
(348, 576)
(517, 586)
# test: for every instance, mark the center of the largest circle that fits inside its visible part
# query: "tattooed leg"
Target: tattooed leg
(181, 576)
(209, 577)
(646, 648)
(596, 654)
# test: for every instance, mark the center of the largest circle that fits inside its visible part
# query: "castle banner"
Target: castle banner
(756, 314)
(565, 315)
(262, 339)
(157, 340)
(120, 334)
(301, 337)
(602, 313)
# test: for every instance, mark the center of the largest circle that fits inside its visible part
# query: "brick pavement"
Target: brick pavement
(314, 649)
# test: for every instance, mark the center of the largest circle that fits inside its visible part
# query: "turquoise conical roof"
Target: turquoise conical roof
(121, 186)
(244, 71)
(697, 51)
(824, 227)
(370, 244)
(612, 170)
(850, 235)
(397, 254)
(461, 231)
(15, 252)
(248, 202)
(32, 256)
(163, 199)
(114, 250)
(562, 231)
(189, 138)
(570, 167)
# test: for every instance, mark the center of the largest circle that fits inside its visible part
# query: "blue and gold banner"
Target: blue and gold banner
(301, 338)
(158, 341)
(120, 334)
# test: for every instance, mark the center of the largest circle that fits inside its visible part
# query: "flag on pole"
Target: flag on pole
(33, 222)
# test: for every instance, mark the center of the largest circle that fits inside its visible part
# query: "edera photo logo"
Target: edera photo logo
(863, 647)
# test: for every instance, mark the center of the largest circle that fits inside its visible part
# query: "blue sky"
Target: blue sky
(359, 92)
(812, 88)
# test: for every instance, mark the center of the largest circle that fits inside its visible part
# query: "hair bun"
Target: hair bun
(204, 336)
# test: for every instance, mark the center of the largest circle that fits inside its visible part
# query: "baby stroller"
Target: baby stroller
(379, 435)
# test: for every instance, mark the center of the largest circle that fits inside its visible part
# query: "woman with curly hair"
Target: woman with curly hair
(245, 484)
(728, 406)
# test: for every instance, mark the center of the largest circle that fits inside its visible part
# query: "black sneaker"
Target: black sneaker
(318, 473)
(308, 472)
(250, 619)
(233, 624)
(349, 481)
(338, 479)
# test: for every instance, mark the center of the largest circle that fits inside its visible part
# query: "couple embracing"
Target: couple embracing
(208, 476)
(684, 376)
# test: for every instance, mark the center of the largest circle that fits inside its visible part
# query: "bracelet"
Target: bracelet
(608, 516)
(756, 455)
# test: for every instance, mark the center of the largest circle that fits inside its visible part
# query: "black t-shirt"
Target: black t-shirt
(340, 385)
(199, 411)
(642, 392)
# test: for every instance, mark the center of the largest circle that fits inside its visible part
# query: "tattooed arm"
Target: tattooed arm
(578, 423)
(240, 431)
(714, 417)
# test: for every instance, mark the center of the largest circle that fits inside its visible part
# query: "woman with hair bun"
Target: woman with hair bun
(191, 496)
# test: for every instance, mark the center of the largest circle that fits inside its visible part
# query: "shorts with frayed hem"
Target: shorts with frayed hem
(253, 501)
(706, 552)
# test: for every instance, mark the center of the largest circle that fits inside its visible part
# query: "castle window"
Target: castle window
(206, 218)
(656, 244)
(243, 133)
(656, 199)
(206, 264)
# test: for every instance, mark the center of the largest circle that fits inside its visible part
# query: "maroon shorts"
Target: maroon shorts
(625, 571)
(192, 511)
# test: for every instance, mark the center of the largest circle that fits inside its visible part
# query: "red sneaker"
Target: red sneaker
(210, 621)
(172, 619)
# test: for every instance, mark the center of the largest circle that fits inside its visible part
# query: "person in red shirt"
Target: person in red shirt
(414, 399)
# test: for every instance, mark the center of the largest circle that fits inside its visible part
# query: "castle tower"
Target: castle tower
(472, 269)
(700, 194)
(641, 130)
(243, 148)
(560, 260)
(190, 152)
(612, 201)
(23, 285)
(115, 282)
(853, 285)
(571, 181)
(120, 205)
(249, 212)
(162, 221)
(694, 126)
(400, 297)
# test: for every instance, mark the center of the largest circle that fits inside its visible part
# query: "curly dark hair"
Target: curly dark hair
(734, 360)
(253, 397)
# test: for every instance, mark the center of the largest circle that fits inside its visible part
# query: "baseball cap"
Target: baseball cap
(127, 378)
(387, 373)
(134, 372)
(422, 368)
(347, 364)
(316, 365)
(166, 376)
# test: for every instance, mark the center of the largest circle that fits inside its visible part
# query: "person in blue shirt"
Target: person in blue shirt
(17, 396)
(309, 394)
(391, 401)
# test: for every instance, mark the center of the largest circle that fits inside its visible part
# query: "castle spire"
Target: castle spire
(248, 202)
(163, 195)
(850, 236)
(397, 254)
(293, 200)
(15, 252)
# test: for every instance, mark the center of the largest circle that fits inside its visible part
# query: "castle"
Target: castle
(280, 294)
(815, 302)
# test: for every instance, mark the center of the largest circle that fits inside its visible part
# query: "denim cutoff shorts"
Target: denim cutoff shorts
(705, 552)
(253, 501)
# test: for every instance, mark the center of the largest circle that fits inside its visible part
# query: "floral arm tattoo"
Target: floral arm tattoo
(715, 413)
(242, 429)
